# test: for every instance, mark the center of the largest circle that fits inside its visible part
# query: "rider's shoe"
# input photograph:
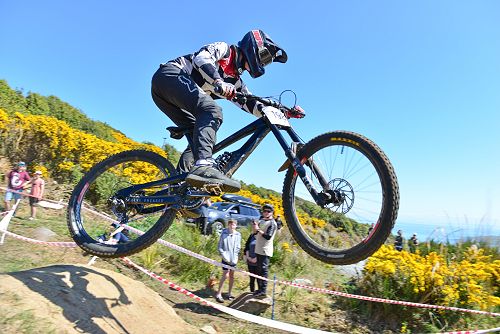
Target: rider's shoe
(201, 176)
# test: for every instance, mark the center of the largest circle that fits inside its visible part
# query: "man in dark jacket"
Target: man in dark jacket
(398, 242)
(251, 258)
(264, 232)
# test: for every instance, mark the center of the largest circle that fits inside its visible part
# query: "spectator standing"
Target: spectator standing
(251, 258)
(279, 222)
(229, 249)
(370, 229)
(36, 193)
(398, 243)
(264, 236)
(413, 243)
(17, 179)
(203, 219)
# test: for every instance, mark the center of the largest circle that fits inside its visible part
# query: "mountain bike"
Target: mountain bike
(340, 193)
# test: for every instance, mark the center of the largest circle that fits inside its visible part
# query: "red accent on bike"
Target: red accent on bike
(84, 190)
(302, 163)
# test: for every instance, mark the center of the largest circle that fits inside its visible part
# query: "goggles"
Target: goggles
(265, 56)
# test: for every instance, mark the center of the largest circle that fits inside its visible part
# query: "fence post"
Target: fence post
(4, 223)
(274, 289)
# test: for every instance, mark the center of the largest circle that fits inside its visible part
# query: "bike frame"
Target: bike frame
(258, 131)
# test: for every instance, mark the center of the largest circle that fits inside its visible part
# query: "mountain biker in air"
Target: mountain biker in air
(184, 89)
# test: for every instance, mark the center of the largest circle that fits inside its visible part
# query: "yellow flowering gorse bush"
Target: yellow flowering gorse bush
(60, 148)
(472, 282)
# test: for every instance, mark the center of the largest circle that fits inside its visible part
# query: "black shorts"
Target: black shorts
(34, 200)
(229, 264)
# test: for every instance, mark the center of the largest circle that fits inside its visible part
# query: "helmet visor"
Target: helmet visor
(265, 56)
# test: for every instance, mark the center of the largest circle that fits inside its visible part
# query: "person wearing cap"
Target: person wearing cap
(264, 232)
(398, 241)
(36, 194)
(17, 179)
(413, 243)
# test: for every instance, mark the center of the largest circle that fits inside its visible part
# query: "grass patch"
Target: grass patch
(23, 321)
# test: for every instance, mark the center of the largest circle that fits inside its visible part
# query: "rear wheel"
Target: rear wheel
(96, 214)
(360, 194)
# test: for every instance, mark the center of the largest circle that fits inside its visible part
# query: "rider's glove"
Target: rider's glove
(224, 88)
(295, 112)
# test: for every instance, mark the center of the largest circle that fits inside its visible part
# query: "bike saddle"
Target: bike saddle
(177, 132)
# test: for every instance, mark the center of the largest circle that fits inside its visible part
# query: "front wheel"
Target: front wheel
(359, 198)
(97, 216)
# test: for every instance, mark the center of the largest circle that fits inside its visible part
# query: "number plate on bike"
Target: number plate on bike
(275, 116)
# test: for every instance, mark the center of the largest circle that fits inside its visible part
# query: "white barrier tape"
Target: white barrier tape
(480, 331)
(321, 290)
(235, 313)
(4, 223)
(15, 192)
(26, 194)
(230, 311)
(40, 242)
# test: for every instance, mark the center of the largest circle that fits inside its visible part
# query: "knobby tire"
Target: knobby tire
(389, 199)
(74, 217)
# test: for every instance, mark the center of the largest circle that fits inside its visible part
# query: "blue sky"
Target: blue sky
(420, 78)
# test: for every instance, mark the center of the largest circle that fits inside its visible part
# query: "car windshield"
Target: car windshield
(221, 206)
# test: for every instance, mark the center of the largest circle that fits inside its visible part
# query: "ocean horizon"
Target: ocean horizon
(447, 231)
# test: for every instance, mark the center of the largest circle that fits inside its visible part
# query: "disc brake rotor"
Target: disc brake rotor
(342, 195)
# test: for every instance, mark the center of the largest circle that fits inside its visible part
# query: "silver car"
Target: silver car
(213, 219)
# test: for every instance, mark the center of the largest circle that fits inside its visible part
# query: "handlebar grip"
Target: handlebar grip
(242, 98)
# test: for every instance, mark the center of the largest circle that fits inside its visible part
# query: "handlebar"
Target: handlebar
(242, 99)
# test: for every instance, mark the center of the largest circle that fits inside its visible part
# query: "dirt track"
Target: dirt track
(76, 299)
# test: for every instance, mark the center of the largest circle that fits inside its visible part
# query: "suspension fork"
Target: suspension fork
(310, 161)
(296, 163)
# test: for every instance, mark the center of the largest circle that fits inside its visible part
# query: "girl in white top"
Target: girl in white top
(229, 248)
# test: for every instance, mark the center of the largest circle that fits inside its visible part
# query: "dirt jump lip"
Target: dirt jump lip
(87, 299)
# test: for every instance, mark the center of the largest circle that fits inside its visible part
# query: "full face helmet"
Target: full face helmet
(259, 50)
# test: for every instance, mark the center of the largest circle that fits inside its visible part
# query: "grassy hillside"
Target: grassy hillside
(292, 305)
(64, 143)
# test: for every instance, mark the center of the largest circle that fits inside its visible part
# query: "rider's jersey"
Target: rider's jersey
(215, 61)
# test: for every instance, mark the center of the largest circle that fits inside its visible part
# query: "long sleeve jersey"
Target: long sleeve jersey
(212, 62)
(229, 246)
(264, 242)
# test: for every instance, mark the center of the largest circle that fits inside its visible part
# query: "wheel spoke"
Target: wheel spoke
(99, 214)
(354, 197)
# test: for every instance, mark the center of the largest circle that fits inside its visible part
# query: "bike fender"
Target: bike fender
(285, 166)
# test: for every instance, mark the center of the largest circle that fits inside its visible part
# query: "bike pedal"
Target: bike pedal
(213, 188)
